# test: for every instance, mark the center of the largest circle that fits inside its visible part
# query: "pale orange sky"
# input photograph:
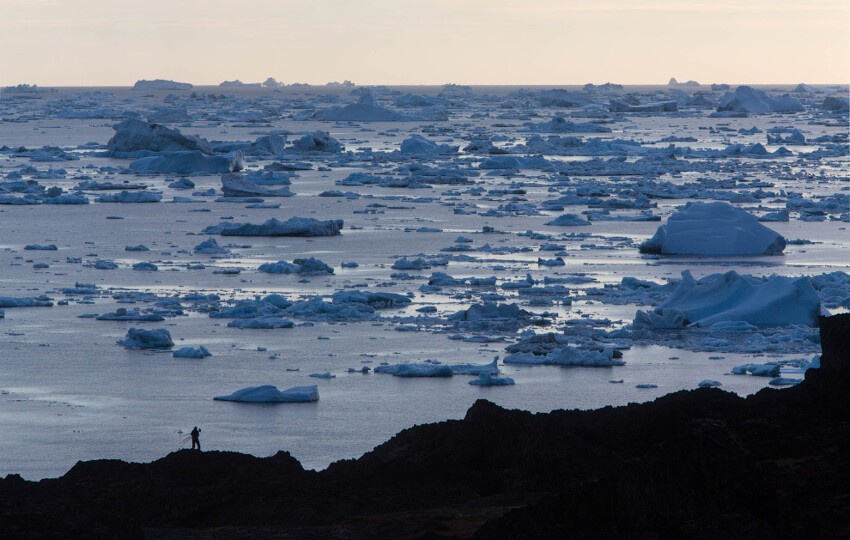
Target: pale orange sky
(116, 42)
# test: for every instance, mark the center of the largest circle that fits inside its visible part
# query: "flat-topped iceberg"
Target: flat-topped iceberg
(294, 226)
(718, 298)
(568, 356)
(237, 185)
(161, 84)
(270, 394)
(192, 352)
(139, 338)
(188, 162)
(713, 229)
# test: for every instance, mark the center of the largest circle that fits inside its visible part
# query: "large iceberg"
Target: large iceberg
(270, 394)
(750, 100)
(134, 137)
(713, 229)
(720, 298)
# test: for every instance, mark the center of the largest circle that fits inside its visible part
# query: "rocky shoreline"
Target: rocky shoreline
(693, 464)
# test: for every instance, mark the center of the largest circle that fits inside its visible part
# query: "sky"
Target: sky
(519, 42)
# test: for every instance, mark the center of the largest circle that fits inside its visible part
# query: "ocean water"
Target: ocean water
(69, 392)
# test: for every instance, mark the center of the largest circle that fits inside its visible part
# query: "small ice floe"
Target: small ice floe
(192, 352)
(325, 375)
(270, 394)
(708, 383)
(646, 385)
(139, 338)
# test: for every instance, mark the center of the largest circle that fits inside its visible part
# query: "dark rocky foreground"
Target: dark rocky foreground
(696, 464)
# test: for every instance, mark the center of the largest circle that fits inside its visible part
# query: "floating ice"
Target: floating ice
(750, 100)
(135, 138)
(713, 229)
(773, 301)
(186, 163)
(139, 338)
(270, 394)
(237, 185)
(486, 379)
(122, 314)
(318, 141)
(568, 220)
(192, 352)
(419, 145)
(130, 197)
(294, 226)
(12, 302)
(568, 356)
(416, 370)
(161, 84)
(210, 247)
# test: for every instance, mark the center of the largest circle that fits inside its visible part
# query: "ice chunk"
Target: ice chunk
(270, 394)
(294, 226)
(192, 352)
(318, 141)
(773, 301)
(130, 197)
(708, 383)
(210, 247)
(418, 145)
(568, 220)
(713, 229)
(568, 356)
(236, 185)
(486, 379)
(139, 338)
(122, 314)
(40, 247)
(134, 137)
(186, 163)
(160, 84)
(145, 267)
(750, 100)
(416, 370)
(12, 302)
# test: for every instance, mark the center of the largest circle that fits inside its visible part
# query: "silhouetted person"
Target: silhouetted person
(196, 433)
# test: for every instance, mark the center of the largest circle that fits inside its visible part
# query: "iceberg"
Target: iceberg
(130, 197)
(486, 379)
(294, 226)
(210, 247)
(192, 352)
(416, 370)
(186, 163)
(270, 394)
(419, 145)
(139, 338)
(749, 100)
(161, 84)
(568, 220)
(236, 185)
(713, 229)
(136, 138)
(568, 356)
(318, 141)
(772, 301)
